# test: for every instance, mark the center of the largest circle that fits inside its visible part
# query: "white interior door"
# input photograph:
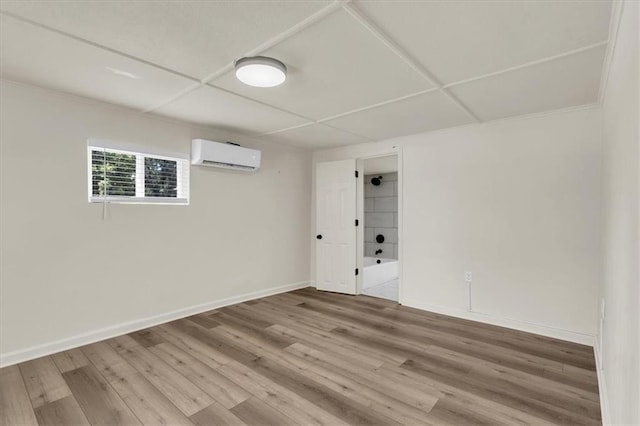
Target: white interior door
(335, 226)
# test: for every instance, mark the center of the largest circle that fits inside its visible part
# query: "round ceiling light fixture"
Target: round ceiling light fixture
(260, 71)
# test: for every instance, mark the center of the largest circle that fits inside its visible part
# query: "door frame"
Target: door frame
(395, 151)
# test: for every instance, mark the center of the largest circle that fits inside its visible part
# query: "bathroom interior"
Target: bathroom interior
(380, 278)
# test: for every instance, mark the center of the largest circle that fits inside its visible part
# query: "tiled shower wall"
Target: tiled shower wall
(381, 216)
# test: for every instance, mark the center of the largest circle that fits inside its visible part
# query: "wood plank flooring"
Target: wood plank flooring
(305, 358)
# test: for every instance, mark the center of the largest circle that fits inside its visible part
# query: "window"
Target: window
(120, 174)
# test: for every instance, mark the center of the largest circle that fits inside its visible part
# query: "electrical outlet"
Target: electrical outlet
(468, 276)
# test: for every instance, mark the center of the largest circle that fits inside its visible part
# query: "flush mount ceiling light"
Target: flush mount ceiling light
(260, 71)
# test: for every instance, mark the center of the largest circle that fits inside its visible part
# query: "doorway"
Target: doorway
(380, 240)
(358, 226)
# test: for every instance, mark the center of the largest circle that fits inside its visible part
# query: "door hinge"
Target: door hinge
(356, 271)
(357, 222)
(356, 173)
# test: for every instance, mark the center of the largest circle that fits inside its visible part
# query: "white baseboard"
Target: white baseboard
(529, 327)
(602, 387)
(93, 336)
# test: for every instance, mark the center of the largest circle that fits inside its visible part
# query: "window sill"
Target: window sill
(140, 200)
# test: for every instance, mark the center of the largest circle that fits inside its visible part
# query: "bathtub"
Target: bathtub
(378, 273)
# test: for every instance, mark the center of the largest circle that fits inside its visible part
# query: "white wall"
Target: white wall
(621, 237)
(65, 271)
(516, 202)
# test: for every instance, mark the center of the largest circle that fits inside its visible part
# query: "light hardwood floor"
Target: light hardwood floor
(308, 357)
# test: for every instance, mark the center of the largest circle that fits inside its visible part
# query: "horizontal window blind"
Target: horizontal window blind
(126, 176)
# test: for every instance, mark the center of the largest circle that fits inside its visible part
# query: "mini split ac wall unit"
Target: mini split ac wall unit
(224, 155)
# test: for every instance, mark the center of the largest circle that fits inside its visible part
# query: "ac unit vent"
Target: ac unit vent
(226, 165)
(224, 155)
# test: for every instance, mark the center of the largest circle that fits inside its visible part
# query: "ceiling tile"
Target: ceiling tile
(334, 66)
(195, 37)
(565, 82)
(457, 40)
(429, 111)
(58, 62)
(315, 136)
(227, 111)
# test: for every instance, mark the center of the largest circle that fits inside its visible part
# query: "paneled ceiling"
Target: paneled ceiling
(358, 70)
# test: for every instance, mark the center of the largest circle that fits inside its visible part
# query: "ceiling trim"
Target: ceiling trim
(406, 57)
(346, 131)
(437, 87)
(300, 126)
(176, 96)
(310, 20)
(529, 64)
(286, 129)
(617, 8)
(366, 22)
(223, 133)
(379, 104)
(497, 121)
(247, 98)
(97, 45)
(274, 41)
(353, 111)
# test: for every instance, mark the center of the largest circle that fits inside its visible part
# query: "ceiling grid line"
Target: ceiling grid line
(457, 100)
(439, 87)
(307, 22)
(222, 89)
(97, 45)
(198, 83)
(310, 20)
(528, 64)
(398, 50)
(300, 126)
(286, 129)
(346, 131)
(446, 86)
(353, 111)
(379, 104)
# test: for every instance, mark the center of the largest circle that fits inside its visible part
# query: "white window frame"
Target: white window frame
(183, 169)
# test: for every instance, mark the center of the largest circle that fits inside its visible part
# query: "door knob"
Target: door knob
(319, 236)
